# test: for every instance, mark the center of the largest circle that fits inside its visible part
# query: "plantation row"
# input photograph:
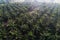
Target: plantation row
(30, 22)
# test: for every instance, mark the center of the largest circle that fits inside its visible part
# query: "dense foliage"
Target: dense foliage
(30, 22)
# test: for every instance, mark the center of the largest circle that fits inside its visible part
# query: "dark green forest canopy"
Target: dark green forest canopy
(30, 21)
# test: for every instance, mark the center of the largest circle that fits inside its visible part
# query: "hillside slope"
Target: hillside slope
(30, 22)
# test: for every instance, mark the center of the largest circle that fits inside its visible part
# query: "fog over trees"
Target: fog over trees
(13, 1)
